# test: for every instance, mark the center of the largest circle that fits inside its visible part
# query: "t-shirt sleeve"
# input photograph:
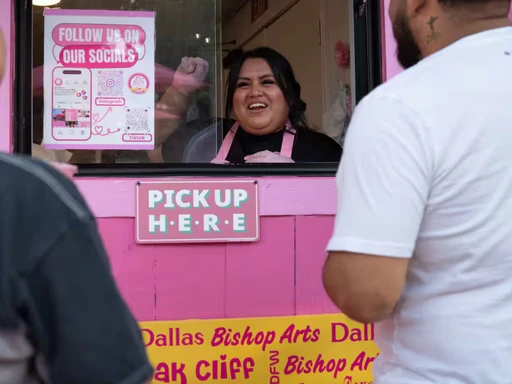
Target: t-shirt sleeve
(77, 318)
(383, 181)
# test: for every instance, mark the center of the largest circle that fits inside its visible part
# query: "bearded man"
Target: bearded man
(422, 243)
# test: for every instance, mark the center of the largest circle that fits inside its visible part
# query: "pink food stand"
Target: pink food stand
(279, 275)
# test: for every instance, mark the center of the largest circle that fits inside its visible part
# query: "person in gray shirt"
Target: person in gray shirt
(62, 319)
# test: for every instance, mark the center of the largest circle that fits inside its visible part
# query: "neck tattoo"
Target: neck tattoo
(433, 35)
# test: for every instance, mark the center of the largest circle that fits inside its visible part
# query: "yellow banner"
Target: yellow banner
(320, 349)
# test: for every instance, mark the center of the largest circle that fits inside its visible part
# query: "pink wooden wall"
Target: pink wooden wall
(277, 276)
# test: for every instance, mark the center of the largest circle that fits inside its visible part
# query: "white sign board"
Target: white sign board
(99, 70)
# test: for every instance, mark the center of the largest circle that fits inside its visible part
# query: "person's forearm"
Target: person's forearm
(156, 155)
(175, 104)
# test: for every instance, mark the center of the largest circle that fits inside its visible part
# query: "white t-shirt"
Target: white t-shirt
(427, 174)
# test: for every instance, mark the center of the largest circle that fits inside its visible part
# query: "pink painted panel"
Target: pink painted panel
(132, 264)
(391, 65)
(6, 87)
(312, 234)
(190, 281)
(112, 197)
(260, 276)
(165, 282)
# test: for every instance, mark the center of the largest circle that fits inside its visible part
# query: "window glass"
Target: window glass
(232, 82)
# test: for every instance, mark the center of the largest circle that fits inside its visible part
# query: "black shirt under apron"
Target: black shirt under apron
(199, 139)
(308, 147)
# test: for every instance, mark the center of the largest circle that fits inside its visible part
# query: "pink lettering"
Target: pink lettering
(227, 337)
(348, 380)
(224, 369)
(150, 337)
(293, 335)
(362, 362)
(110, 101)
(341, 332)
(274, 373)
(176, 373)
(301, 366)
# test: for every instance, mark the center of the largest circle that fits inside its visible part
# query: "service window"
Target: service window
(192, 86)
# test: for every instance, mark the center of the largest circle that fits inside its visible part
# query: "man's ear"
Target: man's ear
(415, 6)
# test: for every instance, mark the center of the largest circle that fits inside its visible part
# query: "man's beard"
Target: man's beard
(408, 52)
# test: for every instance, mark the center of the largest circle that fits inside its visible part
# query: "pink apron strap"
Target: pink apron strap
(286, 146)
(226, 145)
(288, 140)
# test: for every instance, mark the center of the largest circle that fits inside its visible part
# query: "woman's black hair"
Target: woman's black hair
(283, 73)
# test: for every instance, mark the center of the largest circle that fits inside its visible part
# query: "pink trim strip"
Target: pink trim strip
(94, 12)
(390, 66)
(383, 14)
(278, 196)
(6, 87)
(103, 146)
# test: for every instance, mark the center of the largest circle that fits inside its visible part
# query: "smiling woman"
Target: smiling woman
(264, 98)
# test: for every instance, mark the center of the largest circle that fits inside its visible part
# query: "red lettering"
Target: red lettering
(151, 337)
(299, 365)
(292, 335)
(226, 337)
(224, 369)
(176, 374)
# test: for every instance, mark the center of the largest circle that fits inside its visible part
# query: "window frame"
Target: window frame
(368, 68)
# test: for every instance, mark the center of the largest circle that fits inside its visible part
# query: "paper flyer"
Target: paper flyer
(99, 80)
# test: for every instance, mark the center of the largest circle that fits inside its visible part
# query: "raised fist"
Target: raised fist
(190, 74)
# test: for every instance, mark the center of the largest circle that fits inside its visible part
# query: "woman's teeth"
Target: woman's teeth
(257, 106)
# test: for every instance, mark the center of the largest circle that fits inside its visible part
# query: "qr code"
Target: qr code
(137, 120)
(110, 83)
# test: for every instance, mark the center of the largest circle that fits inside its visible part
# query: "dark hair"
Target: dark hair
(283, 73)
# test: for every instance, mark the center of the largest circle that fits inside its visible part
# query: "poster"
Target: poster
(197, 211)
(320, 349)
(99, 79)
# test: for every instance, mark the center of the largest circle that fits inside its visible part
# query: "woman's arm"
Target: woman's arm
(188, 78)
(174, 103)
